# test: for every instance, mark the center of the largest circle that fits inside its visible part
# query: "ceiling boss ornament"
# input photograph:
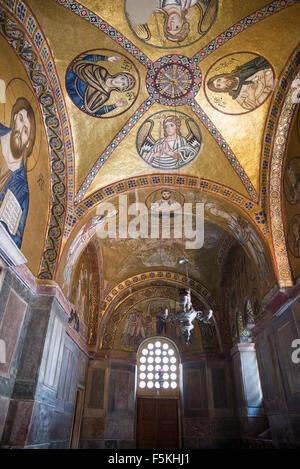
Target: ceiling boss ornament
(174, 80)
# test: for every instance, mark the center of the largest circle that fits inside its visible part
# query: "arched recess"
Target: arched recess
(85, 290)
(240, 299)
(277, 160)
(225, 214)
(32, 48)
(114, 322)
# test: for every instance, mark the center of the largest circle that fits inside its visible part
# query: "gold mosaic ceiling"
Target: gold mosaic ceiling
(113, 129)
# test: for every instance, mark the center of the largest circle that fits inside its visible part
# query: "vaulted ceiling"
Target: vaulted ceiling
(97, 141)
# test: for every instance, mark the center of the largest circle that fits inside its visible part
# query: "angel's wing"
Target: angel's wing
(207, 16)
(194, 137)
(141, 30)
(145, 141)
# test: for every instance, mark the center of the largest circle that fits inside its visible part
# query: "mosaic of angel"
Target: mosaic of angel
(173, 150)
(170, 23)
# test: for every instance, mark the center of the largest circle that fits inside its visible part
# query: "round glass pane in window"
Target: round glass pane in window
(158, 344)
(151, 353)
(157, 385)
(173, 385)
(150, 384)
(165, 346)
(173, 360)
(157, 367)
(158, 351)
(142, 367)
(150, 367)
(166, 367)
(150, 346)
(164, 352)
(165, 360)
(142, 384)
(150, 359)
(173, 367)
(142, 359)
(142, 376)
(173, 376)
(157, 359)
(170, 351)
(166, 375)
(144, 351)
(150, 375)
(166, 385)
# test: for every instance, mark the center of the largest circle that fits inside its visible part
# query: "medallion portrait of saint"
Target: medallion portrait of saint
(165, 201)
(239, 83)
(170, 23)
(102, 83)
(169, 141)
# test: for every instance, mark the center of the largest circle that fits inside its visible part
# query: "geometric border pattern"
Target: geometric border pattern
(95, 20)
(272, 118)
(243, 24)
(160, 179)
(30, 45)
(156, 275)
(111, 321)
(285, 278)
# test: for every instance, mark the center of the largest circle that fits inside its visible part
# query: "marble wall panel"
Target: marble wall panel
(10, 328)
(92, 428)
(17, 423)
(195, 390)
(39, 432)
(219, 387)
(96, 397)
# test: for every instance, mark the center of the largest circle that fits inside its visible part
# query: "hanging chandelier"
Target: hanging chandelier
(187, 313)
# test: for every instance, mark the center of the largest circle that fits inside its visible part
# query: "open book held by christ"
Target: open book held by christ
(10, 212)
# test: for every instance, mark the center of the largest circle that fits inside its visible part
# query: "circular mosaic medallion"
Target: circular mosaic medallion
(102, 83)
(170, 24)
(174, 80)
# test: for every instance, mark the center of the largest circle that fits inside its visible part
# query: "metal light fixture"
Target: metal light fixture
(187, 314)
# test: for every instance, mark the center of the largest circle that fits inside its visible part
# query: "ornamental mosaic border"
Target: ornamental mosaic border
(225, 244)
(195, 286)
(161, 179)
(115, 35)
(95, 20)
(254, 18)
(107, 332)
(209, 125)
(143, 108)
(237, 28)
(273, 116)
(285, 277)
(34, 53)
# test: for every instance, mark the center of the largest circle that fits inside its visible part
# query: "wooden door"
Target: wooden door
(157, 424)
(77, 419)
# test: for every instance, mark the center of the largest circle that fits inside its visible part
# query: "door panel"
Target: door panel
(157, 424)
